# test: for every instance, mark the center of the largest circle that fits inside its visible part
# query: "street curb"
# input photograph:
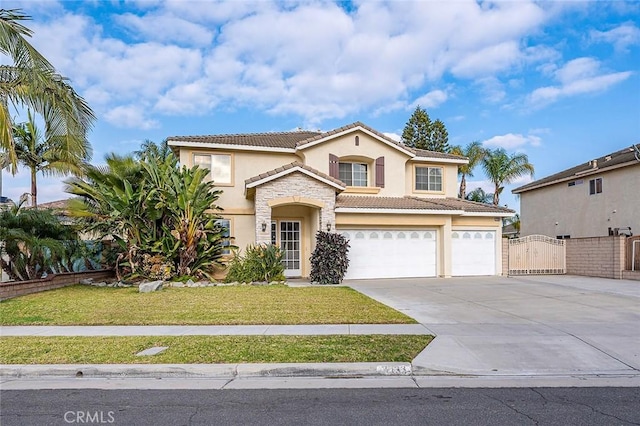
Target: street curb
(207, 370)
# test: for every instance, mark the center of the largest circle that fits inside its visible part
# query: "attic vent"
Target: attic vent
(594, 164)
(607, 158)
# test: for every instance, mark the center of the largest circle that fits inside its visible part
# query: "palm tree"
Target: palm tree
(32, 82)
(47, 154)
(502, 168)
(475, 153)
(4, 163)
(151, 150)
(479, 196)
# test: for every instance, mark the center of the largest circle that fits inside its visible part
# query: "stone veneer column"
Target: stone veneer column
(263, 215)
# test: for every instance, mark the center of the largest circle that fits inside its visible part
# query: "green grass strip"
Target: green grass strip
(211, 349)
(87, 305)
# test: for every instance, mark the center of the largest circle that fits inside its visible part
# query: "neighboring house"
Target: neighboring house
(596, 198)
(396, 205)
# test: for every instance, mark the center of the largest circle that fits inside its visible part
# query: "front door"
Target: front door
(290, 245)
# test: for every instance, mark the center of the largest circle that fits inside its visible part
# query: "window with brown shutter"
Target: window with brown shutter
(333, 166)
(380, 172)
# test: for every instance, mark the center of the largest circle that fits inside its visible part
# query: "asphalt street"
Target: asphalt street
(436, 406)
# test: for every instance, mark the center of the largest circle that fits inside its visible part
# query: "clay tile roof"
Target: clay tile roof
(371, 202)
(265, 140)
(436, 154)
(416, 203)
(291, 166)
(601, 164)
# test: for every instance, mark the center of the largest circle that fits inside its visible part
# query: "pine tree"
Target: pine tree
(417, 131)
(439, 137)
(420, 132)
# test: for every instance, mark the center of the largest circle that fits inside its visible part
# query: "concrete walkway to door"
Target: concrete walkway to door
(535, 325)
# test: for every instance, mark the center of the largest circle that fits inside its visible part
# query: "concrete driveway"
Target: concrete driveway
(541, 325)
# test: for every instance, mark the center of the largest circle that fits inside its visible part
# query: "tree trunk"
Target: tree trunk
(463, 187)
(496, 196)
(34, 189)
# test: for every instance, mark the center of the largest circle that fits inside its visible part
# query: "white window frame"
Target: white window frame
(595, 186)
(435, 185)
(356, 175)
(220, 173)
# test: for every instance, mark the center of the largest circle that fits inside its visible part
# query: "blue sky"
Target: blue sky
(558, 81)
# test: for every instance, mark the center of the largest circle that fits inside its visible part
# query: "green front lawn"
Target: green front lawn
(211, 349)
(237, 305)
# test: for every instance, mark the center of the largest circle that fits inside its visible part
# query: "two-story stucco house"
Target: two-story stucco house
(396, 205)
(586, 200)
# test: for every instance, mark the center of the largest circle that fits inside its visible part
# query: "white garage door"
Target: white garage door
(474, 252)
(376, 253)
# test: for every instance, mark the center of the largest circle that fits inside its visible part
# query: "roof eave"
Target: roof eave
(229, 147)
(577, 175)
(367, 210)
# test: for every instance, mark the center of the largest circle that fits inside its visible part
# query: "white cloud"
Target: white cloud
(313, 59)
(166, 28)
(492, 89)
(512, 141)
(620, 37)
(129, 116)
(579, 76)
(396, 137)
(430, 100)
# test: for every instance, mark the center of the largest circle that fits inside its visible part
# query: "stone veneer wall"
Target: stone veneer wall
(20, 288)
(596, 256)
(294, 185)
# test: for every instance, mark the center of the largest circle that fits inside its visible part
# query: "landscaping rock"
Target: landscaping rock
(150, 286)
(190, 283)
(100, 284)
(177, 284)
(86, 281)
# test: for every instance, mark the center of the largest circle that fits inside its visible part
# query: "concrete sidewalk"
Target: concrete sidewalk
(215, 330)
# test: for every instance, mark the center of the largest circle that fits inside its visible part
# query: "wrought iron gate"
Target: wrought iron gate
(537, 254)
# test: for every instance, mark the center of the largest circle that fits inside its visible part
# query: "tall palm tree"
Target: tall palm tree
(502, 168)
(475, 152)
(4, 163)
(47, 153)
(32, 82)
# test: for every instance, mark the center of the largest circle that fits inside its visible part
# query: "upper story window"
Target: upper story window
(219, 166)
(428, 179)
(595, 186)
(353, 174)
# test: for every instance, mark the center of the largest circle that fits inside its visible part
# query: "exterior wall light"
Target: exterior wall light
(264, 226)
(328, 226)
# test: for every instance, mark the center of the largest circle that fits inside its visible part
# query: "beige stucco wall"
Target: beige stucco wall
(245, 165)
(579, 214)
(367, 151)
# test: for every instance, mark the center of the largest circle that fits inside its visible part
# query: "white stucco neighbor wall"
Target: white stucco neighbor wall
(560, 209)
(300, 187)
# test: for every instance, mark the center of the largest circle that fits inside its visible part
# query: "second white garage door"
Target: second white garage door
(376, 253)
(473, 252)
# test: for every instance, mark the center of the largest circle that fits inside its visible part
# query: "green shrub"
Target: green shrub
(261, 262)
(329, 260)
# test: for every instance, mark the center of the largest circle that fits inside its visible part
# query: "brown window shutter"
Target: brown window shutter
(380, 172)
(333, 166)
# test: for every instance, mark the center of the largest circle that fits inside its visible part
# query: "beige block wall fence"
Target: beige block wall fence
(602, 257)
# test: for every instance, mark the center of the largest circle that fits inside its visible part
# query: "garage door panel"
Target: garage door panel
(473, 252)
(376, 253)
